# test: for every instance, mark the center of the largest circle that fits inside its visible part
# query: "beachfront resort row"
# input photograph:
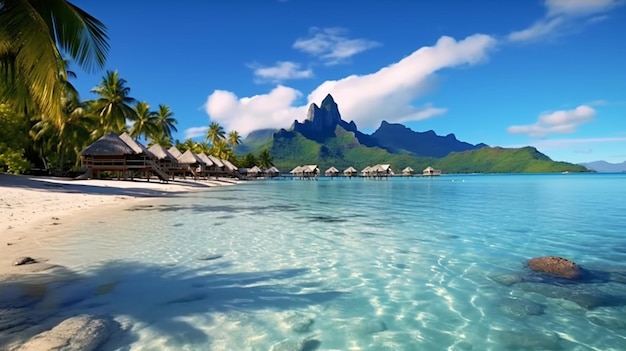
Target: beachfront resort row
(126, 158)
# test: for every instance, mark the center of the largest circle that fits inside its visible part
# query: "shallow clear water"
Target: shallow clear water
(356, 264)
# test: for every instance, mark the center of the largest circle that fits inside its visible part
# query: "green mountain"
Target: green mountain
(326, 140)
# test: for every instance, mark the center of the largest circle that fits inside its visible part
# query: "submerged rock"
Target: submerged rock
(517, 307)
(209, 257)
(558, 266)
(24, 260)
(83, 332)
(527, 340)
(306, 344)
(370, 326)
(584, 295)
(299, 323)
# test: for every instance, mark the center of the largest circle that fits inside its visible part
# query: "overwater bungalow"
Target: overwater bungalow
(379, 170)
(272, 172)
(430, 172)
(365, 172)
(310, 171)
(408, 171)
(331, 172)
(350, 172)
(297, 171)
(219, 168)
(208, 164)
(254, 172)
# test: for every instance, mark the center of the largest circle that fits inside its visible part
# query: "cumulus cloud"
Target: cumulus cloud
(389, 93)
(561, 15)
(558, 122)
(195, 132)
(331, 45)
(283, 70)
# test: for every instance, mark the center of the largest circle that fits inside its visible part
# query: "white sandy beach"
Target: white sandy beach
(32, 208)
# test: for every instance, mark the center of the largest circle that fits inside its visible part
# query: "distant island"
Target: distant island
(325, 139)
(605, 167)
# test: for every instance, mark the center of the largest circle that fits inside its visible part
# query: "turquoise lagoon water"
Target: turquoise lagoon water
(357, 264)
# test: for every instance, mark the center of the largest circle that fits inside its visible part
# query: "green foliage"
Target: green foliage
(14, 140)
(501, 160)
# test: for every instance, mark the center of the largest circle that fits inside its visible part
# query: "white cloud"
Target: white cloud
(332, 46)
(578, 7)
(561, 15)
(558, 122)
(386, 94)
(283, 70)
(273, 110)
(195, 132)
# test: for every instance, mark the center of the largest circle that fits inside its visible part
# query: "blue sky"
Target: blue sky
(551, 73)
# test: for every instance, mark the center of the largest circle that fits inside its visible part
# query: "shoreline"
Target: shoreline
(35, 208)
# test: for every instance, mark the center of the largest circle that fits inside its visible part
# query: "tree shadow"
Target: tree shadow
(156, 296)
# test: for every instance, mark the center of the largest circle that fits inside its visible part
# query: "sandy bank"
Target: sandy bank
(33, 207)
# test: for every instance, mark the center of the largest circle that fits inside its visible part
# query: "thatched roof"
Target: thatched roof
(429, 169)
(231, 167)
(366, 169)
(350, 170)
(136, 146)
(272, 170)
(310, 169)
(189, 158)
(160, 153)
(216, 161)
(254, 170)
(408, 170)
(205, 159)
(175, 152)
(331, 170)
(296, 170)
(108, 145)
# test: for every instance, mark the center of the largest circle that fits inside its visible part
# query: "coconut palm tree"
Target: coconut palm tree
(234, 139)
(33, 36)
(265, 159)
(220, 149)
(145, 123)
(165, 122)
(215, 132)
(114, 105)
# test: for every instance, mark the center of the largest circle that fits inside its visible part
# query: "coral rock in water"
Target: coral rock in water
(557, 266)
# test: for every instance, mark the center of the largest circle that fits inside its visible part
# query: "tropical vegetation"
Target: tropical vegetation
(44, 123)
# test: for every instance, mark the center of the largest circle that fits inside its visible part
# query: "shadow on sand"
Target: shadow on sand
(149, 295)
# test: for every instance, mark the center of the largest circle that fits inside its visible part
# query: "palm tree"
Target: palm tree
(32, 35)
(265, 159)
(165, 122)
(114, 104)
(220, 149)
(234, 139)
(215, 132)
(145, 122)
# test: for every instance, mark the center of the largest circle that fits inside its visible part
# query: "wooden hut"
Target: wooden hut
(272, 172)
(331, 172)
(255, 172)
(408, 171)
(366, 171)
(309, 171)
(219, 168)
(431, 172)
(350, 172)
(297, 171)
(119, 154)
(164, 159)
(192, 163)
(229, 168)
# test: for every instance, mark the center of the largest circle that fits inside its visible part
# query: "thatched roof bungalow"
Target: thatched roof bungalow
(175, 152)
(350, 172)
(137, 147)
(298, 171)
(429, 171)
(229, 167)
(331, 172)
(408, 171)
(254, 172)
(272, 172)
